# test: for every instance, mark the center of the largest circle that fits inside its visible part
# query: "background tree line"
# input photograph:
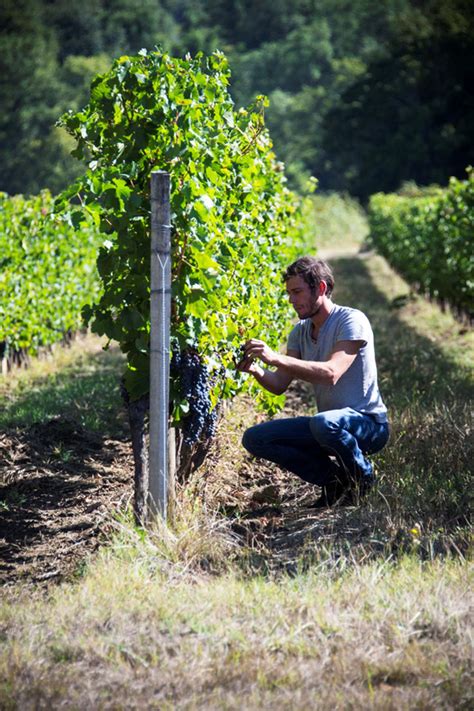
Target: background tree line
(363, 94)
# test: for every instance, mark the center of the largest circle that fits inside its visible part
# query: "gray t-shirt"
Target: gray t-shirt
(357, 387)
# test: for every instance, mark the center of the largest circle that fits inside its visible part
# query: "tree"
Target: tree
(410, 115)
(50, 51)
(29, 96)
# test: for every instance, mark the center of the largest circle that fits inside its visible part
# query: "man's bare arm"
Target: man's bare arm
(324, 372)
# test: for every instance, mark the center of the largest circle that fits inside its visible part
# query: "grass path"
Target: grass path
(249, 601)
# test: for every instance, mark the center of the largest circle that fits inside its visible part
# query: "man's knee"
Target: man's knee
(323, 427)
(251, 440)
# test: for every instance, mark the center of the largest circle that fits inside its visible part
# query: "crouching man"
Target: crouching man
(332, 347)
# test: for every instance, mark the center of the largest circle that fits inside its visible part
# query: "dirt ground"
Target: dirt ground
(61, 486)
(270, 510)
(60, 483)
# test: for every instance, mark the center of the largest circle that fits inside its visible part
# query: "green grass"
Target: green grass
(80, 382)
(426, 366)
(424, 355)
(338, 222)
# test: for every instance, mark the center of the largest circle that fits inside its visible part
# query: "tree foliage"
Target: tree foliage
(408, 116)
(28, 96)
(49, 53)
(347, 81)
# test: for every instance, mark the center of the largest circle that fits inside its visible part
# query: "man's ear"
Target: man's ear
(323, 287)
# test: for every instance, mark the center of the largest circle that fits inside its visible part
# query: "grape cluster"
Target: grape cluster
(195, 387)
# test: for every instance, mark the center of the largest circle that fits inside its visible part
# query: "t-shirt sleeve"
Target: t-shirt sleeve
(294, 339)
(354, 326)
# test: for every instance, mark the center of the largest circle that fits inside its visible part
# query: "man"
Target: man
(332, 347)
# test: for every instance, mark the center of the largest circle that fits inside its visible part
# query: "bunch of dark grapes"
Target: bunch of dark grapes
(195, 387)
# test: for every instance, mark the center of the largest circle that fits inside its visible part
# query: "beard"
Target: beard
(316, 310)
(313, 309)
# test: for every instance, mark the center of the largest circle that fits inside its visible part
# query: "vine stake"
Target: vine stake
(160, 311)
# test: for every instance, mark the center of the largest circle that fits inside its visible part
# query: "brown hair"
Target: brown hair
(313, 271)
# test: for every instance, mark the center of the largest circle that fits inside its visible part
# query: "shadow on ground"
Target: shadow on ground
(65, 467)
(412, 368)
(66, 462)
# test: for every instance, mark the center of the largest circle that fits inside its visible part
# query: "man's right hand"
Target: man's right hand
(248, 365)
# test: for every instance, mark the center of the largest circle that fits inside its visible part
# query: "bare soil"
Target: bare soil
(60, 485)
(270, 509)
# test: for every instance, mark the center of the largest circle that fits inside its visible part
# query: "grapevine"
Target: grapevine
(428, 239)
(235, 225)
(47, 272)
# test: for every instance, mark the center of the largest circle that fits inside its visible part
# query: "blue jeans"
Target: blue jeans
(303, 445)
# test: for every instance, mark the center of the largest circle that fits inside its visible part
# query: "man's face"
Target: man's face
(305, 302)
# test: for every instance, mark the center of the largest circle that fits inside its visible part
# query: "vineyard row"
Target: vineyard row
(428, 238)
(47, 273)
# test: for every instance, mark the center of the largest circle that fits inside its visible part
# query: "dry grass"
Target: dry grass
(443, 332)
(421, 505)
(56, 358)
(137, 634)
(338, 221)
(426, 371)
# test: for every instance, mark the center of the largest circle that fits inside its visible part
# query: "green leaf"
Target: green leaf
(234, 222)
(204, 260)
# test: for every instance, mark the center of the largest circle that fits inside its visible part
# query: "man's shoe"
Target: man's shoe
(331, 494)
(348, 493)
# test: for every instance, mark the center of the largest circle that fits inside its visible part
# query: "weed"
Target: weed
(15, 497)
(62, 453)
(138, 628)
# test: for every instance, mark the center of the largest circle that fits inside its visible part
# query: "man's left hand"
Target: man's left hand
(259, 349)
